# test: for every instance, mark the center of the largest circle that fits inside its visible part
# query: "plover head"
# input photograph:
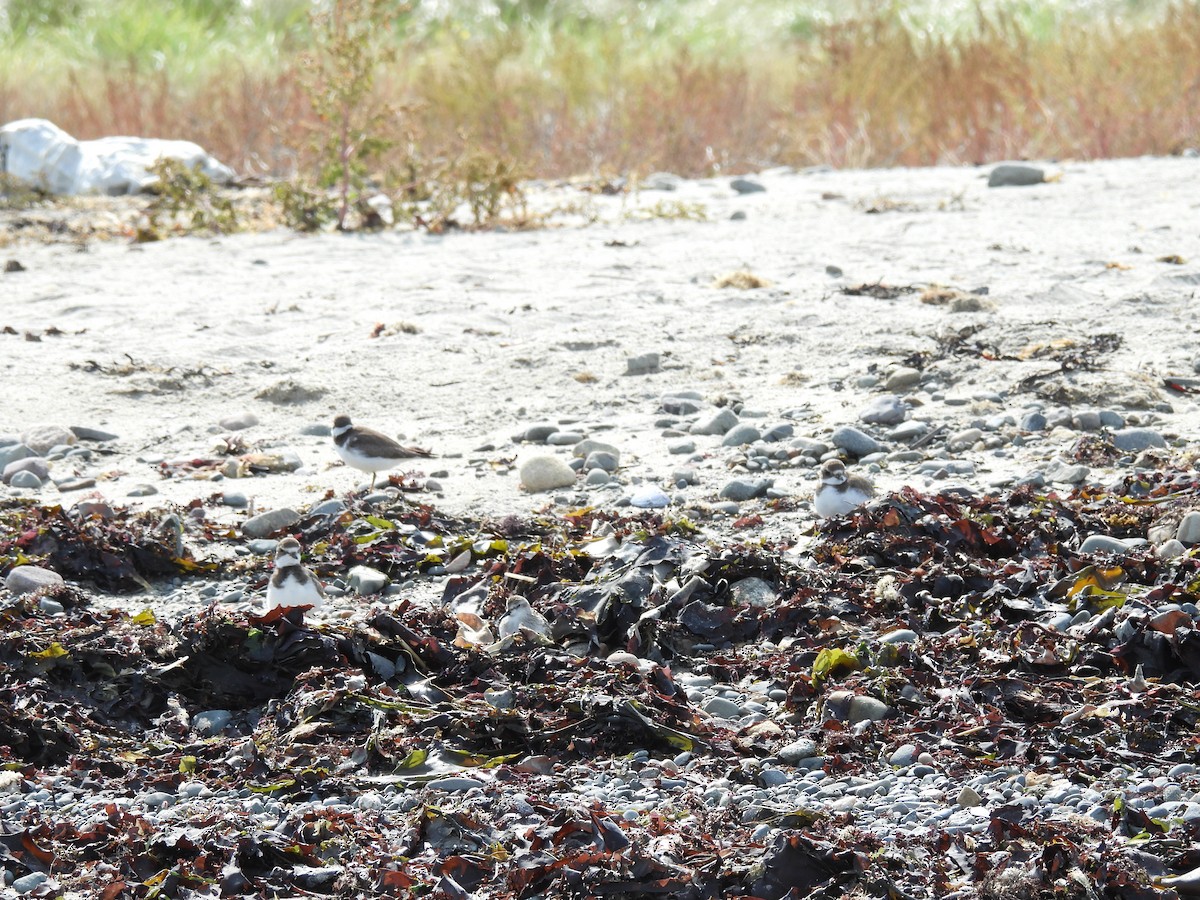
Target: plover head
(288, 552)
(341, 425)
(833, 471)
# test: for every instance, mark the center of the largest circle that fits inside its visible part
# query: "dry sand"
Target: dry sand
(484, 334)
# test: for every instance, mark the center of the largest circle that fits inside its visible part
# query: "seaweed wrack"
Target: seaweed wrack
(387, 754)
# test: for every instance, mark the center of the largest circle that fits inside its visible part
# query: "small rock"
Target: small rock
(642, 364)
(904, 755)
(739, 490)
(211, 722)
(1103, 543)
(545, 473)
(1034, 421)
(909, 431)
(1188, 532)
(454, 783)
(238, 421)
(903, 378)
(746, 186)
(142, 490)
(13, 452)
(1170, 550)
(1011, 175)
(969, 797)
(597, 477)
(84, 433)
(899, 636)
(564, 438)
(13, 265)
(586, 447)
(41, 438)
(796, 751)
(34, 880)
(364, 580)
(649, 497)
(1086, 420)
(779, 432)
(75, 484)
(1134, 440)
(720, 422)
(26, 473)
(1111, 420)
(740, 435)
(886, 410)
(856, 443)
(865, 708)
(681, 447)
(536, 434)
(23, 579)
(661, 181)
(600, 459)
(963, 440)
(267, 523)
(235, 499)
(682, 403)
(50, 607)
(1061, 471)
(753, 592)
(722, 708)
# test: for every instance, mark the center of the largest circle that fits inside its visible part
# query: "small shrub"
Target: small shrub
(185, 199)
(304, 209)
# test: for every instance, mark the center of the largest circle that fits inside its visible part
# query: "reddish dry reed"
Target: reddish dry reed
(866, 92)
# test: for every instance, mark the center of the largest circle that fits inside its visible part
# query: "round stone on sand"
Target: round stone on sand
(40, 438)
(545, 473)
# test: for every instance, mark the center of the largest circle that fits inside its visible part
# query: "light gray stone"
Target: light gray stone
(23, 579)
(718, 423)
(753, 592)
(1034, 421)
(740, 435)
(14, 452)
(564, 438)
(903, 378)
(963, 440)
(590, 445)
(85, 433)
(142, 490)
(642, 364)
(601, 459)
(899, 636)
(1103, 543)
(211, 722)
(364, 580)
(267, 523)
(545, 473)
(681, 447)
(1134, 440)
(865, 708)
(740, 490)
(28, 883)
(649, 497)
(1170, 550)
(1014, 175)
(454, 784)
(747, 186)
(969, 797)
(239, 421)
(1189, 529)
(41, 438)
(904, 755)
(535, 434)
(683, 404)
(886, 410)
(796, 751)
(856, 443)
(24, 480)
(1063, 472)
(909, 431)
(722, 708)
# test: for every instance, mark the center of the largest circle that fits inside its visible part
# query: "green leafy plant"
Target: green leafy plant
(304, 209)
(352, 41)
(185, 199)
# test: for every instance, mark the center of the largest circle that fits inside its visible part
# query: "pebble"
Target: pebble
(661, 181)
(740, 490)
(722, 708)
(84, 433)
(211, 722)
(601, 459)
(720, 422)
(963, 440)
(899, 636)
(969, 797)
(1103, 543)
(886, 410)
(267, 523)
(364, 580)
(902, 379)
(643, 364)
(535, 434)
(50, 607)
(1086, 420)
(545, 473)
(679, 448)
(596, 477)
(904, 755)
(798, 750)
(1188, 532)
(24, 480)
(1170, 550)
(684, 403)
(856, 443)
(238, 421)
(1034, 421)
(1066, 473)
(740, 435)
(1134, 440)
(909, 431)
(1013, 175)
(75, 484)
(41, 438)
(564, 438)
(142, 490)
(781, 431)
(590, 445)
(31, 882)
(14, 452)
(23, 579)
(747, 186)
(649, 497)
(753, 592)
(235, 499)
(454, 783)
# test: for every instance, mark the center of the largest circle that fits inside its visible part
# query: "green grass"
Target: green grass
(577, 86)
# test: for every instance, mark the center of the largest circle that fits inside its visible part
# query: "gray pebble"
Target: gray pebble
(886, 410)
(909, 431)
(454, 783)
(601, 459)
(683, 405)
(535, 434)
(596, 477)
(75, 484)
(746, 186)
(963, 440)
(649, 497)
(316, 429)
(331, 507)
(50, 607)
(1189, 529)
(902, 379)
(1112, 420)
(1170, 550)
(1134, 440)
(684, 477)
(968, 797)
(904, 755)
(25, 481)
(43, 438)
(1086, 420)
(899, 636)
(856, 443)
(23, 579)
(142, 490)
(779, 432)
(364, 580)
(84, 433)
(158, 800)
(797, 750)
(722, 708)
(262, 546)
(643, 364)
(681, 447)
(586, 447)
(31, 882)
(740, 490)
(269, 522)
(740, 435)
(1034, 421)
(1103, 543)
(753, 592)
(238, 421)
(230, 598)
(35, 465)
(1013, 175)
(718, 423)
(236, 499)
(211, 722)
(1066, 473)
(14, 452)
(809, 447)
(738, 215)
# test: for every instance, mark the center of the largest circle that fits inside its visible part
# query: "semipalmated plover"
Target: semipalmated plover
(839, 492)
(291, 583)
(368, 450)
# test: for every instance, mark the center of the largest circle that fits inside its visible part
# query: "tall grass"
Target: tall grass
(694, 86)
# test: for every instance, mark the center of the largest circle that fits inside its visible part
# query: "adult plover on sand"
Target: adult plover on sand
(291, 583)
(839, 492)
(368, 450)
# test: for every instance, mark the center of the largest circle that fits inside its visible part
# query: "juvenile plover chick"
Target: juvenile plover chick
(368, 450)
(291, 583)
(840, 492)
